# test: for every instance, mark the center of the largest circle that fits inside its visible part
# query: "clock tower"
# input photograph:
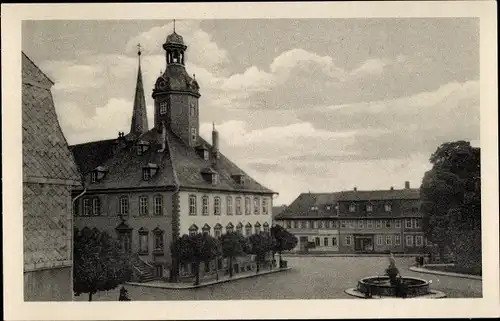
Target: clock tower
(176, 94)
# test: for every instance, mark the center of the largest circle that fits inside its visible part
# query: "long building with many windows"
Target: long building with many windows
(151, 186)
(356, 221)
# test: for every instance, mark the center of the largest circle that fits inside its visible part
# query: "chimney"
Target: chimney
(407, 185)
(215, 144)
(355, 189)
(392, 188)
(119, 142)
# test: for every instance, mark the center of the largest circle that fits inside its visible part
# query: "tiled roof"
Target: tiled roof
(45, 150)
(277, 210)
(178, 163)
(301, 206)
(396, 194)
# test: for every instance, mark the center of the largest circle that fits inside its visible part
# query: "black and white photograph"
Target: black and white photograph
(203, 158)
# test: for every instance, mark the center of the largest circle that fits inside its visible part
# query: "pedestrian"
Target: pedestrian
(123, 294)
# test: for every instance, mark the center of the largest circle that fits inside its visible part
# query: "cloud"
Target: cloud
(70, 76)
(370, 67)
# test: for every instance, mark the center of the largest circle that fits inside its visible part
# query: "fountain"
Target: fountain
(393, 285)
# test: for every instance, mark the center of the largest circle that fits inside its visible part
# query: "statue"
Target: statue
(123, 294)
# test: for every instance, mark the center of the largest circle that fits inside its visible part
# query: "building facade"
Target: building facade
(357, 221)
(49, 175)
(151, 186)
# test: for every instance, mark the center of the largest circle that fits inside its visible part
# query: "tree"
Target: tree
(260, 244)
(283, 240)
(99, 262)
(195, 249)
(233, 244)
(451, 200)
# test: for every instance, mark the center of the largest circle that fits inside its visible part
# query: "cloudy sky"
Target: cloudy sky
(302, 105)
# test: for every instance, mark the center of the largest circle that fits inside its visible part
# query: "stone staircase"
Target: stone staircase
(144, 271)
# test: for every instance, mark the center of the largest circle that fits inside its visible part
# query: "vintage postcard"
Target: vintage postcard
(292, 160)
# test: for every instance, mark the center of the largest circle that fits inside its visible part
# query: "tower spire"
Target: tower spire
(174, 25)
(139, 124)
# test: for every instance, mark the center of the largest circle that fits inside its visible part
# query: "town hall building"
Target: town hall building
(150, 186)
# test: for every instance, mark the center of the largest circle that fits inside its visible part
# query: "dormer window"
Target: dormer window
(97, 174)
(239, 178)
(388, 207)
(352, 208)
(369, 208)
(163, 107)
(149, 171)
(210, 176)
(142, 147)
(202, 151)
(328, 208)
(314, 208)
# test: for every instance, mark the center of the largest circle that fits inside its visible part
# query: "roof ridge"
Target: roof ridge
(92, 142)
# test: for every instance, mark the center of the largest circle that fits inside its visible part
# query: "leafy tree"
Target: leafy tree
(259, 245)
(99, 263)
(451, 200)
(195, 249)
(233, 244)
(283, 240)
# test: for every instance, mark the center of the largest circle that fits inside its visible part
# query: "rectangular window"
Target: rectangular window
(265, 206)
(158, 205)
(256, 206)
(352, 224)
(352, 208)
(86, 207)
(194, 134)
(247, 206)
(325, 241)
(419, 240)
(379, 240)
(360, 224)
(295, 224)
(143, 243)
(416, 223)
(158, 241)
(342, 224)
(124, 206)
(408, 223)
(163, 107)
(217, 205)
(192, 205)
(397, 224)
(96, 206)
(146, 174)
(93, 177)
(204, 205)
(229, 205)
(334, 241)
(238, 205)
(369, 208)
(303, 224)
(369, 224)
(388, 224)
(388, 207)
(315, 224)
(348, 240)
(289, 224)
(409, 240)
(397, 239)
(388, 240)
(378, 224)
(143, 206)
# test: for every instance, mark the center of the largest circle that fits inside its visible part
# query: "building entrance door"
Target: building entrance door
(125, 240)
(303, 243)
(363, 243)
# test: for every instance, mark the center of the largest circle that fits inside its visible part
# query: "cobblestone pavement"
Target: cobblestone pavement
(309, 278)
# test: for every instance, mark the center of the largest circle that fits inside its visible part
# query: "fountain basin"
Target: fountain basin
(380, 286)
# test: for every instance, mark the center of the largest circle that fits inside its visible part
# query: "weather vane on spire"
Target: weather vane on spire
(139, 49)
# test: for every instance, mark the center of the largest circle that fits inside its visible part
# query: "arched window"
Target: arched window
(248, 229)
(229, 228)
(206, 229)
(239, 228)
(266, 227)
(217, 230)
(257, 228)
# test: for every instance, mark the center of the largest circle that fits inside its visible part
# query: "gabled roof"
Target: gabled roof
(45, 150)
(178, 163)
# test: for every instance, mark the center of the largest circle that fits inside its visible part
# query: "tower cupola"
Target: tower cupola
(175, 48)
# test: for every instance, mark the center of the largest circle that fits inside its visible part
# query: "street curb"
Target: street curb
(458, 275)
(180, 286)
